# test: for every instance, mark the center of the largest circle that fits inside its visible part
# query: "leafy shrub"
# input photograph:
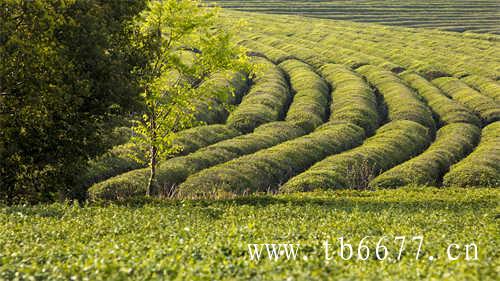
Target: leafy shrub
(485, 85)
(486, 108)
(447, 110)
(402, 103)
(353, 100)
(311, 94)
(392, 144)
(130, 156)
(275, 55)
(482, 166)
(265, 101)
(225, 88)
(270, 167)
(174, 171)
(453, 143)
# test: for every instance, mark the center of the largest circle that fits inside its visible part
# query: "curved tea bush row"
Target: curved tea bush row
(268, 168)
(402, 103)
(275, 55)
(266, 100)
(453, 143)
(392, 144)
(311, 94)
(353, 100)
(486, 108)
(482, 166)
(130, 156)
(447, 110)
(174, 171)
(224, 88)
(486, 86)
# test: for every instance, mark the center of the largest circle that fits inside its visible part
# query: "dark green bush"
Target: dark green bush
(174, 171)
(447, 110)
(270, 167)
(353, 100)
(311, 94)
(392, 144)
(485, 107)
(482, 166)
(266, 100)
(453, 143)
(402, 103)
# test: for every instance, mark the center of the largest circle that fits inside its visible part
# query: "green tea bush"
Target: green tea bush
(485, 107)
(174, 171)
(311, 94)
(485, 85)
(275, 55)
(225, 88)
(266, 100)
(353, 100)
(392, 144)
(453, 143)
(402, 103)
(268, 168)
(447, 110)
(130, 156)
(482, 166)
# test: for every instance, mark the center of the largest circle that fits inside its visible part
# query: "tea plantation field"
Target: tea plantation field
(208, 240)
(480, 16)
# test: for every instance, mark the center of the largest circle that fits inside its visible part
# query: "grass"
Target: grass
(207, 240)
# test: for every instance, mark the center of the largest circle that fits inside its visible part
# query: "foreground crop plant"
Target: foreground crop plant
(183, 43)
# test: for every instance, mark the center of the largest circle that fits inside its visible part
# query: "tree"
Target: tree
(183, 41)
(65, 72)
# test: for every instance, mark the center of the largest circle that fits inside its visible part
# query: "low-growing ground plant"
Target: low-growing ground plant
(484, 85)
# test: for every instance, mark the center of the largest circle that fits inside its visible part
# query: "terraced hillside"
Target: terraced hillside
(337, 104)
(459, 15)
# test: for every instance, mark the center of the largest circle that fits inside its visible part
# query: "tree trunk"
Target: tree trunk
(152, 178)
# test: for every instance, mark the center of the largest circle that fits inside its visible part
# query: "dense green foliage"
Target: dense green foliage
(446, 110)
(207, 240)
(458, 15)
(402, 103)
(64, 73)
(353, 100)
(310, 97)
(266, 169)
(487, 109)
(392, 144)
(486, 86)
(453, 142)
(482, 166)
(265, 101)
(176, 170)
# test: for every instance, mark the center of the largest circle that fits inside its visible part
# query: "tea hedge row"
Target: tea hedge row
(447, 110)
(453, 143)
(223, 88)
(130, 156)
(353, 100)
(268, 168)
(402, 103)
(174, 171)
(486, 86)
(275, 55)
(311, 95)
(486, 108)
(482, 166)
(392, 144)
(266, 100)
